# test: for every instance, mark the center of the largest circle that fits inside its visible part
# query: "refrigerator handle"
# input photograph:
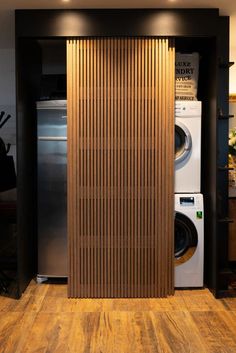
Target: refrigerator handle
(52, 138)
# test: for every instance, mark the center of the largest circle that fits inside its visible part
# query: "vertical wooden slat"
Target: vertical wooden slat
(165, 184)
(152, 215)
(69, 169)
(78, 47)
(84, 168)
(99, 165)
(165, 128)
(116, 147)
(91, 143)
(88, 171)
(171, 92)
(150, 171)
(122, 175)
(156, 170)
(132, 104)
(139, 170)
(118, 181)
(129, 112)
(108, 173)
(105, 167)
(120, 167)
(94, 136)
(76, 154)
(112, 171)
(101, 170)
(159, 161)
(144, 201)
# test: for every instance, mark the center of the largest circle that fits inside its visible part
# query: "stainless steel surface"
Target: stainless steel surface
(52, 186)
(52, 104)
(51, 138)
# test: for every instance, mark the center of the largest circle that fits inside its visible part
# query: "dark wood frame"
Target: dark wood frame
(181, 23)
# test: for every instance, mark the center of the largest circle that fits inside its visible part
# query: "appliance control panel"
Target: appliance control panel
(188, 108)
(189, 201)
(186, 201)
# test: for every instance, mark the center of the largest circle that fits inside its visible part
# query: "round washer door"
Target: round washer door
(183, 142)
(186, 238)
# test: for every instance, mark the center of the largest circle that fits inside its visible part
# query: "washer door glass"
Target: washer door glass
(186, 238)
(183, 142)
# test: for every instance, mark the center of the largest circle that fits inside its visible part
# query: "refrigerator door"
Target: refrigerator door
(52, 190)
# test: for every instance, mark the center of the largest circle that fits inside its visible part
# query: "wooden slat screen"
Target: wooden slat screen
(120, 167)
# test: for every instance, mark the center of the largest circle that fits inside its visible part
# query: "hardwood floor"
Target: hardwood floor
(45, 321)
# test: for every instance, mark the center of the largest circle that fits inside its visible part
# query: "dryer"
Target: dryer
(188, 146)
(189, 240)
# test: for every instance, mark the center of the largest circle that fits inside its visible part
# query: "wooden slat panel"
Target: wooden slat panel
(170, 167)
(120, 167)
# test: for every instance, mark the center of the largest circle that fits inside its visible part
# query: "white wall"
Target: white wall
(7, 84)
(232, 77)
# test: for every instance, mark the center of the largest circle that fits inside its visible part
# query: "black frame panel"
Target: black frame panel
(109, 22)
(59, 24)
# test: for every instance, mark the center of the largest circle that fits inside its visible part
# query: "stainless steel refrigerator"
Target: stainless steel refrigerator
(52, 189)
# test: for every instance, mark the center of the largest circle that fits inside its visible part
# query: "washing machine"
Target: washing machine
(189, 240)
(188, 146)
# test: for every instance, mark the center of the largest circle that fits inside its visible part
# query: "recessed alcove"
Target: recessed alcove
(210, 40)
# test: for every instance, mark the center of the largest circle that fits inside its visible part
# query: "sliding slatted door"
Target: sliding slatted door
(120, 167)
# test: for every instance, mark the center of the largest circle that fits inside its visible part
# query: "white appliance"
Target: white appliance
(189, 240)
(188, 146)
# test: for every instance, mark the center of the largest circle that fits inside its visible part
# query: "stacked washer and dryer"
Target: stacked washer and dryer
(189, 216)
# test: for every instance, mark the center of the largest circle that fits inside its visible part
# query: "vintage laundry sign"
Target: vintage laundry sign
(186, 76)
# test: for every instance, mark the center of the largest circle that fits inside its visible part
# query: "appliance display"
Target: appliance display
(187, 147)
(189, 240)
(52, 188)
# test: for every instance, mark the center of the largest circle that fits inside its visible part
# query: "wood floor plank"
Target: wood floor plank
(179, 332)
(202, 302)
(14, 330)
(49, 333)
(40, 290)
(168, 304)
(45, 321)
(216, 334)
(147, 338)
(28, 303)
(57, 305)
(55, 290)
(230, 318)
(83, 328)
(229, 303)
(116, 332)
